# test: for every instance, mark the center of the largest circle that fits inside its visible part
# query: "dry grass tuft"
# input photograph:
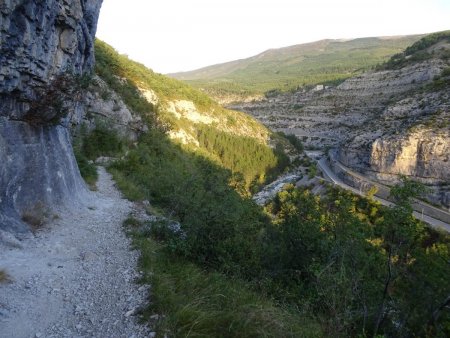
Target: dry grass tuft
(36, 216)
(4, 277)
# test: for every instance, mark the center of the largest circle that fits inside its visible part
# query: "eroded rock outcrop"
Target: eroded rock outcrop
(101, 104)
(40, 41)
(423, 154)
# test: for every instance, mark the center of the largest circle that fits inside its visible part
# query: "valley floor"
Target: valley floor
(75, 278)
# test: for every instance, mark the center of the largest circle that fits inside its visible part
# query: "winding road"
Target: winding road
(331, 176)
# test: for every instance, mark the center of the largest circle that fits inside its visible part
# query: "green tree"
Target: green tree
(401, 233)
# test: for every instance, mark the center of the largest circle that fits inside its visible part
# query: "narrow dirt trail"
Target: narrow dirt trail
(76, 278)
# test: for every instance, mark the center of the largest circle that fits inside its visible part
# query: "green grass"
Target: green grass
(194, 302)
(326, 61)
(110, 65)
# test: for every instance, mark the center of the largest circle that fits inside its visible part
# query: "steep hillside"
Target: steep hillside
(178, 104)
(385, 122)
(218, 264)
(321, 62)
(229, 138)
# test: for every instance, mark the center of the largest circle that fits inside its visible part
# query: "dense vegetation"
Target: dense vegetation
(200, 303)
(358, 264)
(336, 265)
(244, 156)
(340, 261)
(418, 52)
(325, 62)
(251, 160)
(196, 193)
(294, 141)
(88, 146)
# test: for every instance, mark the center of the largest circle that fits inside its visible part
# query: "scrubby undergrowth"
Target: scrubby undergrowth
(348, 263)
(191, 301)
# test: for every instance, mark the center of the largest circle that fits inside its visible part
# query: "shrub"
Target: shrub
(295, 141)
(312, 170)
(54, 101)
(101, 142)
(132, 222)
(88, 170)
(194, 302)
(88, 146)
(446, 72)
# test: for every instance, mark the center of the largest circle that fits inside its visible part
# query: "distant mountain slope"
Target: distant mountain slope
(389, 121)
(324, 61)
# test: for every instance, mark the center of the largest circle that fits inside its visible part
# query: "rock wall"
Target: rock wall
(423, 155)
(39, 40)
(100, 104)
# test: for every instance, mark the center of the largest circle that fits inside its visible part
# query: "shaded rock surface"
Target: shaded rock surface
(39, 40)
(102, 105)
(38, 171)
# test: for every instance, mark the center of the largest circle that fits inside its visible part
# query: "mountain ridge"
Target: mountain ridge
(185, 74)
(287, 68)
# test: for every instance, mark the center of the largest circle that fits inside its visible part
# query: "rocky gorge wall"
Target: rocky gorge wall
(410, 137)
(422, 155)
(39, 41)
(384, 122)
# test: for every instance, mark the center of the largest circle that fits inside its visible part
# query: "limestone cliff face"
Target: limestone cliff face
(39, 40)
(423, 154)
(410, 137)
(99, 103)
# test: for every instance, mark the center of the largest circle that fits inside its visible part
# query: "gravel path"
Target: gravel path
(76, 277)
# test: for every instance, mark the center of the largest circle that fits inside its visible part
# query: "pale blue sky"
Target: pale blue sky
(175, 35)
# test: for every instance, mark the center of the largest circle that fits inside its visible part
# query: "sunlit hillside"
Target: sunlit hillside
(321, 62)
